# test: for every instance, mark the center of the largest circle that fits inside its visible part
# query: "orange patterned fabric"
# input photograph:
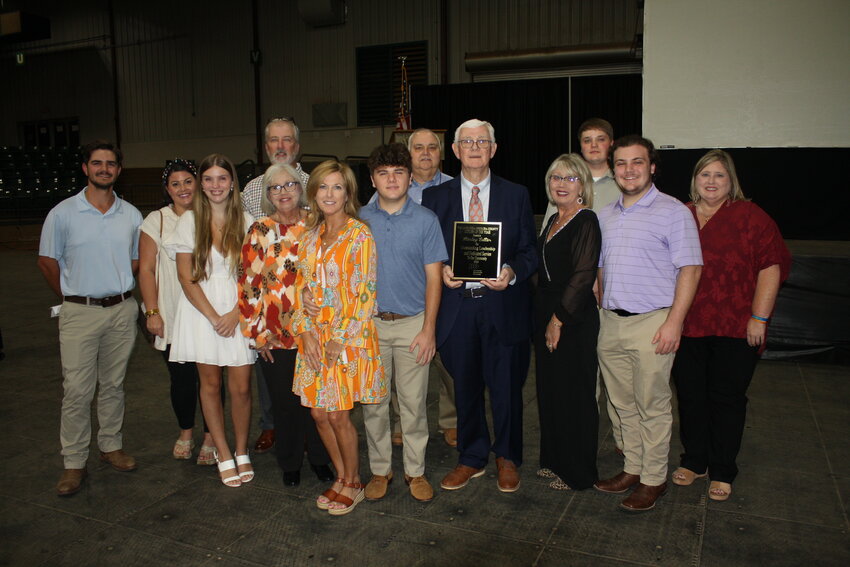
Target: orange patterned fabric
(341, 279)
(267, 281)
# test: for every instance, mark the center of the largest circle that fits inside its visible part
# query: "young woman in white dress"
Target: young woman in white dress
(207, 244)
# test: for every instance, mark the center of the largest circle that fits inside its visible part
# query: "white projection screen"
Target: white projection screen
(747, 73)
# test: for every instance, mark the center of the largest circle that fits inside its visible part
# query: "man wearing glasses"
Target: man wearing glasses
(282, 146)
(484, 327)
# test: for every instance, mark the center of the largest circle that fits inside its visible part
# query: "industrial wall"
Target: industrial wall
(183, 80)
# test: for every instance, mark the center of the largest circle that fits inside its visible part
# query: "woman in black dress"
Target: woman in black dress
(566, 327)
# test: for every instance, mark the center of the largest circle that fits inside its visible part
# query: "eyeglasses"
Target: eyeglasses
(559, 179)
(468, 143)
(288, 187)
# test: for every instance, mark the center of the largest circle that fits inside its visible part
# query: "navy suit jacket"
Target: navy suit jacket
(509, 204)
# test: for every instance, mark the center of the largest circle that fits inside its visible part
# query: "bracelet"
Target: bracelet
(762, 320)
(556, 323)
(151, 312)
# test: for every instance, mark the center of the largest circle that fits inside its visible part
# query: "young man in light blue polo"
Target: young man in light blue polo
(411, 252)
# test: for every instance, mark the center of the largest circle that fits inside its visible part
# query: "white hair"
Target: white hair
(475, 123)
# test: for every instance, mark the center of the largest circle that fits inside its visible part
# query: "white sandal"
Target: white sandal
(246, 476)
(234, 481)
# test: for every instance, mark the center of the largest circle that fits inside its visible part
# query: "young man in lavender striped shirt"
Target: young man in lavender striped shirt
(648, 270)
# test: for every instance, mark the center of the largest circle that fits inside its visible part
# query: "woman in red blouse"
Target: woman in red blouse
(266, 295)
(745, 261)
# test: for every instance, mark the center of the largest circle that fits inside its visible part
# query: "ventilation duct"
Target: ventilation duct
(554, 59)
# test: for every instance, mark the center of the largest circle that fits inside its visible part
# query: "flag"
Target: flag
(403, 122)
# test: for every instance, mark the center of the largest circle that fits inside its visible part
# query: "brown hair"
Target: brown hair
(233, 232)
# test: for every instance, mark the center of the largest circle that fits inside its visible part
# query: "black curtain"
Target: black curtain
(533, 119)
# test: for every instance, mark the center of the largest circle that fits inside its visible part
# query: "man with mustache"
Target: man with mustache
(89, 255)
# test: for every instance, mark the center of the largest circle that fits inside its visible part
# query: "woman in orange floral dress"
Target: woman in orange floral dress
(267, 289)
(338, 360)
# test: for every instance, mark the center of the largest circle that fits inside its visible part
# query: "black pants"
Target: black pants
(712, 375)
(184, 391)
(294, 426)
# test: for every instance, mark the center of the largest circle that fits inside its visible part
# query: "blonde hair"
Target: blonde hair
(735, 191)
(233, 232)
(575, 165)
(317, 177)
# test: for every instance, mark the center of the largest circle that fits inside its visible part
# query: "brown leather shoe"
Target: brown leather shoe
(420, 488)
(397, 439)
(618, 484)
(265, 442)
(71, 481)
(508, 477)
(459, 477)
(643, 498)
(450, 436)
(119, 460)
(377, 486)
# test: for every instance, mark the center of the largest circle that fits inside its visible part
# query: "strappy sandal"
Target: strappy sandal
(206, 456)
(232, 481)
(182, 450)
(246, 476)
(719, 491)
(546, 473)
(685, 477)
(346, 504)
(328, 496)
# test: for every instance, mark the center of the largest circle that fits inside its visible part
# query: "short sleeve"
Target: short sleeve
(50, 244)
(182, 240)
(432, 241)
(768, 245)
(152, 226)
(683, 238)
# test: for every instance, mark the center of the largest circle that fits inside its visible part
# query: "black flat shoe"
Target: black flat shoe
(323, 472)
(291, 478)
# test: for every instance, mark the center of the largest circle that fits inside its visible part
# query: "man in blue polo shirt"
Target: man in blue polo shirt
(89, 254)
(411, 252)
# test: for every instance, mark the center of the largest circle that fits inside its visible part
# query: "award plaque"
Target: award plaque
(477, 251)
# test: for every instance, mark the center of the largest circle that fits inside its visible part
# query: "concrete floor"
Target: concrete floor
(789, 507)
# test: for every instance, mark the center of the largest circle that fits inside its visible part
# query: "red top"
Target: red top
(738, 242)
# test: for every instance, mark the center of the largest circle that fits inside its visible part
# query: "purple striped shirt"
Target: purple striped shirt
(643, 248)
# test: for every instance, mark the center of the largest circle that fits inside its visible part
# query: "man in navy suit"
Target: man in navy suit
(484, 328)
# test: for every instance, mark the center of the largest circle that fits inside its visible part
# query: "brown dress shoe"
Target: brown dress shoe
(70, 482)
(377, 486)
(508, 477)
(643, 498)
(618, 484)
(265, 442)
(420, 488)
(450, 436)
(459, 477)
(119, 460)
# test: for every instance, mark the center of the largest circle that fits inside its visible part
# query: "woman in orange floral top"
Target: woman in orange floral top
(338, 358)
(267, 289)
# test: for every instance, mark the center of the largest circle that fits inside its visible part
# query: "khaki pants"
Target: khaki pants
(638, 385)
(411, 383)
(95, 345)
(447, 413)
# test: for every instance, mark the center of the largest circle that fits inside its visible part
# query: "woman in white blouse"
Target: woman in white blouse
(161, 291)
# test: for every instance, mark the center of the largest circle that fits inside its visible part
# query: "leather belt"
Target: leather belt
(99, 301)
(475, 292)
(389, 316)
(624, 313)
